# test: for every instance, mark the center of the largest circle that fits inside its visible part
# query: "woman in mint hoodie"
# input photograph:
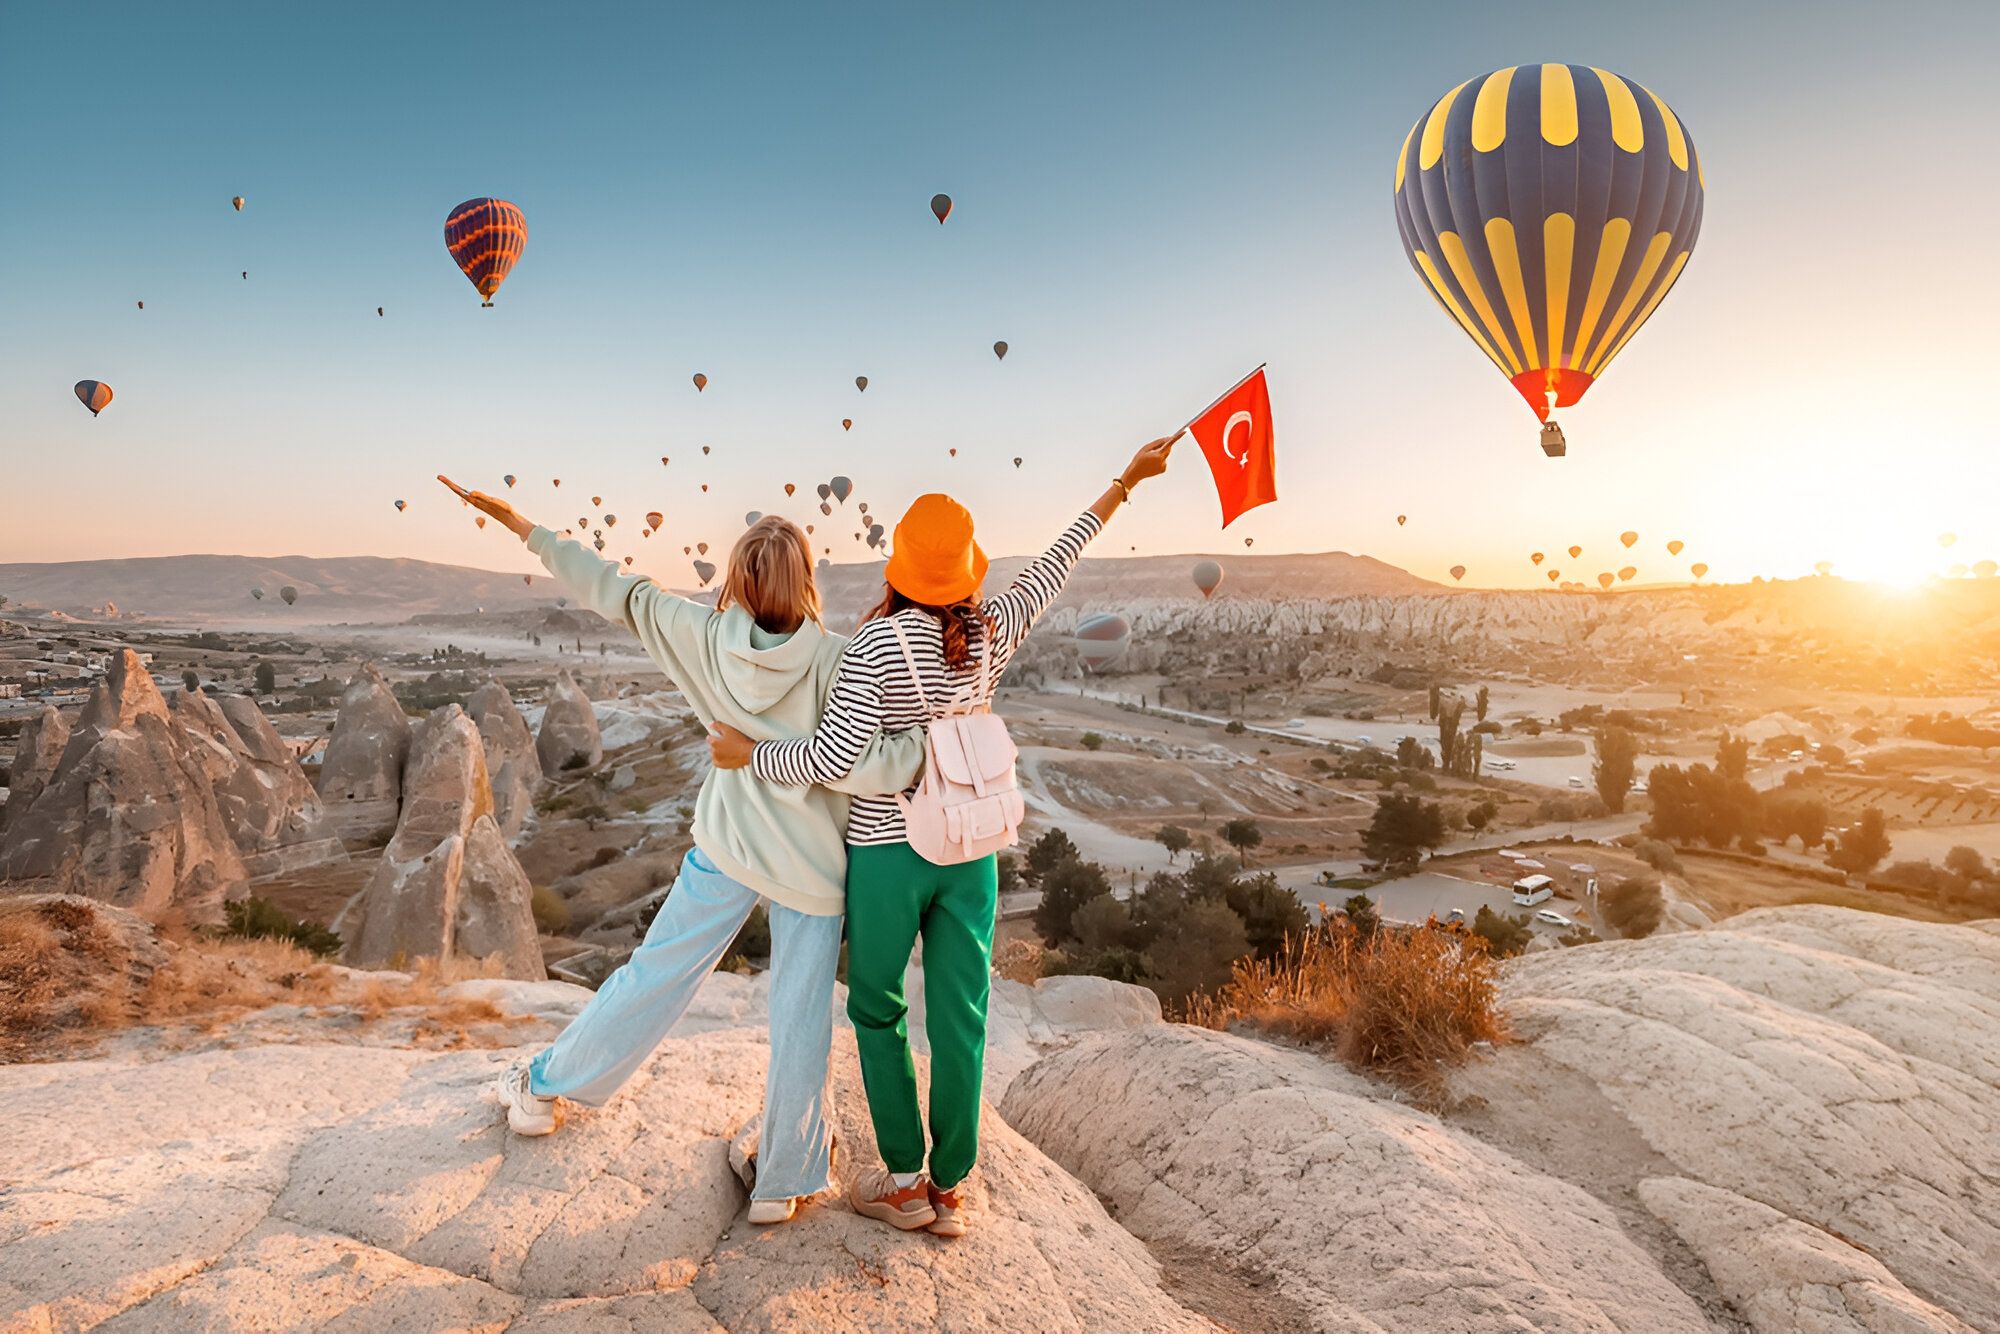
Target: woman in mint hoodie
(760, 661)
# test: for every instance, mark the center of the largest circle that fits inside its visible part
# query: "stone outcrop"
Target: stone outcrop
(569, 739)
(267, 804)
(511, 758)
(36, 752)
(361, 774)
(129, 816)
(377, 1188)
(448, 885)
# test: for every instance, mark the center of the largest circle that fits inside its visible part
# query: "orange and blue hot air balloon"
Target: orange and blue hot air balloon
(93, 394)
(485, 237)
(1548, 210)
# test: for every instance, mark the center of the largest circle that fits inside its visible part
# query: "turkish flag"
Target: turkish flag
(1235, 435)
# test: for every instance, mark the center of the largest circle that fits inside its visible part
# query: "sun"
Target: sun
(1898, 567)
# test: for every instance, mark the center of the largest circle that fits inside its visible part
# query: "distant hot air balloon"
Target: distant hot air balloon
(824, 490)
(246, 275)
(1628, 539)
(378, 312)
(809, 529)
(750, 519)
(941, 205)
(702, 547)
(790, 487)
(597, 542)
(528, 579)
(557, 483)
(400, 505)
(509, 480)
(654, 519)
(628, 560)
(1249, 541)
(1458, 572)
(1606, 579)
(611, 521)
(1674, 547)
(583, 521)
(1017, 462)
(1574, 552)
(289, 594)
(142, 305)
(705, 571)
(479, 521)
(1985, 569)
(1698, 569)
(847, 423)
(861, 505)
(861, 383)
(704, 488)
(1823, 567)
(1554, 575)
(1548, 209)
(595, 501)
(562, 602)
(95, 395)
(1000, 350)
(663, 460)
(1535, 556)
(953, 452)
(700, 383)
(826, 507)
(705, 450)
(236, 202)
(842, 489)
(485, 238)
(1946, 539)
(1625, 574)
(1207, 577)
(1100, 638)
(687, 551)
(257, 593)
(1402, 519)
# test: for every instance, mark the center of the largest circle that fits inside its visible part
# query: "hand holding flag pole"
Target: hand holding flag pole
(1236, 438)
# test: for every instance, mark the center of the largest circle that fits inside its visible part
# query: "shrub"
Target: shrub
(1270, 913)
(1235, 727)
(1092, 741)
(1634, 907)
(1504, 936)
(1102, 923)
(1193, 952)
(1406, 1003)
(260, 919)
(1066, 888)
(1046, 853)
(1660, 856)
(1863, 846)
(550, 910)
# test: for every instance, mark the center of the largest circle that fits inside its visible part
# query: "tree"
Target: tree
(1863, 846)
(1045, 854)
(1410, 753)
(1243, 835)
(1362, 915)
(1803, 816)
(1008, 867)
(1092, 741)
(1965, 863)
(1482, 815)
(1195, 951)
(1065, 888)
(1101, 924)
(1271, 914)
(1732, 756)
(1503, 935)
(1174, 839)
(1700, 803)
(190, 679)
(1450, 712)
(1402, 828)
(1437, 699)
(1633, 907)
(1617, 754)
(266, 679)
(1480, 701)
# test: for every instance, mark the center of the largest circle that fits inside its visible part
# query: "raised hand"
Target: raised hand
(493, 507)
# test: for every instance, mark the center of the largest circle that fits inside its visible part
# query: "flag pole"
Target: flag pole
(1218, 398)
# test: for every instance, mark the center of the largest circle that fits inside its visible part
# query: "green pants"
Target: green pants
(895, 898)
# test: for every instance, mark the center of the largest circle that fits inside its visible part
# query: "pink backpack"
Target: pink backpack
(968, 804)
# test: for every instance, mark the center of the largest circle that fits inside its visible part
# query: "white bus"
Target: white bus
(1533, 889)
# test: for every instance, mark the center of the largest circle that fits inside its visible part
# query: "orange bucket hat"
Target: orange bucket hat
(936, 562)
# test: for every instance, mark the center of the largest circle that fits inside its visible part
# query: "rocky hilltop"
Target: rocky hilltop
(1788, 1122)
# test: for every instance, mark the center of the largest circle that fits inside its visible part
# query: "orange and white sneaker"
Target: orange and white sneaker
(950, 1211)
(875, 1194)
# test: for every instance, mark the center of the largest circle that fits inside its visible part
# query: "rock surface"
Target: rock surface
(36, 751)
(375, 1188)
(267, 804)
(448, 885)
(129, 816)
(361, 774)
(511, 759)
(569, 739)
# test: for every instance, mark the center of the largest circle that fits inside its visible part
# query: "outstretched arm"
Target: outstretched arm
(1041, 582)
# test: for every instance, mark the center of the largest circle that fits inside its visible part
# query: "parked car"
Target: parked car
(1550, 917)
(1575, 781)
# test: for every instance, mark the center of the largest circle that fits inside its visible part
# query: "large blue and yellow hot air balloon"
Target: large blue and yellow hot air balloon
(485, 237)
(1549, 209)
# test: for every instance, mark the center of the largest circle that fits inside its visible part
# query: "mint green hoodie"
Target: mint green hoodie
(787, 843)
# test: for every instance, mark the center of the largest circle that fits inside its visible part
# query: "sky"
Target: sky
(1151, 199)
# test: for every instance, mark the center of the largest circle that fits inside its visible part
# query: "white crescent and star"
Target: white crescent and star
(1228, 429)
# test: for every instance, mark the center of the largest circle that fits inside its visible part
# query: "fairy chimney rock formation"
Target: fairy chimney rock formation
(448, 885)
(569, 739)
(268, 806)
(511, 758)
(129, 815)
(36, 752)
(361, 776)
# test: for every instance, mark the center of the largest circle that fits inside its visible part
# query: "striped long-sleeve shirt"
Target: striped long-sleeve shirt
(874, 689)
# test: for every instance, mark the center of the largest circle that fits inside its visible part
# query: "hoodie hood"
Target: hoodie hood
(757, 667)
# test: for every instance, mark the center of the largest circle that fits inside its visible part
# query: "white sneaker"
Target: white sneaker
(766, 1212)
(528, 1113)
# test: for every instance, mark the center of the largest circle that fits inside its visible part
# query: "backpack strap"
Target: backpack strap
(909, 657)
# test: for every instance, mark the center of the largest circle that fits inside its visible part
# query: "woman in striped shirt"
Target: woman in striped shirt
(894, 897)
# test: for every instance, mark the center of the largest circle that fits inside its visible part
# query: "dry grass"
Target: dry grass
(1019, 960)
(59, 971)
(1405, 1003)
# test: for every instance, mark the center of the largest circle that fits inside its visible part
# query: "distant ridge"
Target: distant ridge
(376, 588)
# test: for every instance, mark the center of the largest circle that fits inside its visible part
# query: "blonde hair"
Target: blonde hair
(771, 576)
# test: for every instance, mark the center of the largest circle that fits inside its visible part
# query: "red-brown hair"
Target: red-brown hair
(954, 622)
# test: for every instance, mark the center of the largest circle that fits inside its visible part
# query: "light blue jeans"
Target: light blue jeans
(638, 1005)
